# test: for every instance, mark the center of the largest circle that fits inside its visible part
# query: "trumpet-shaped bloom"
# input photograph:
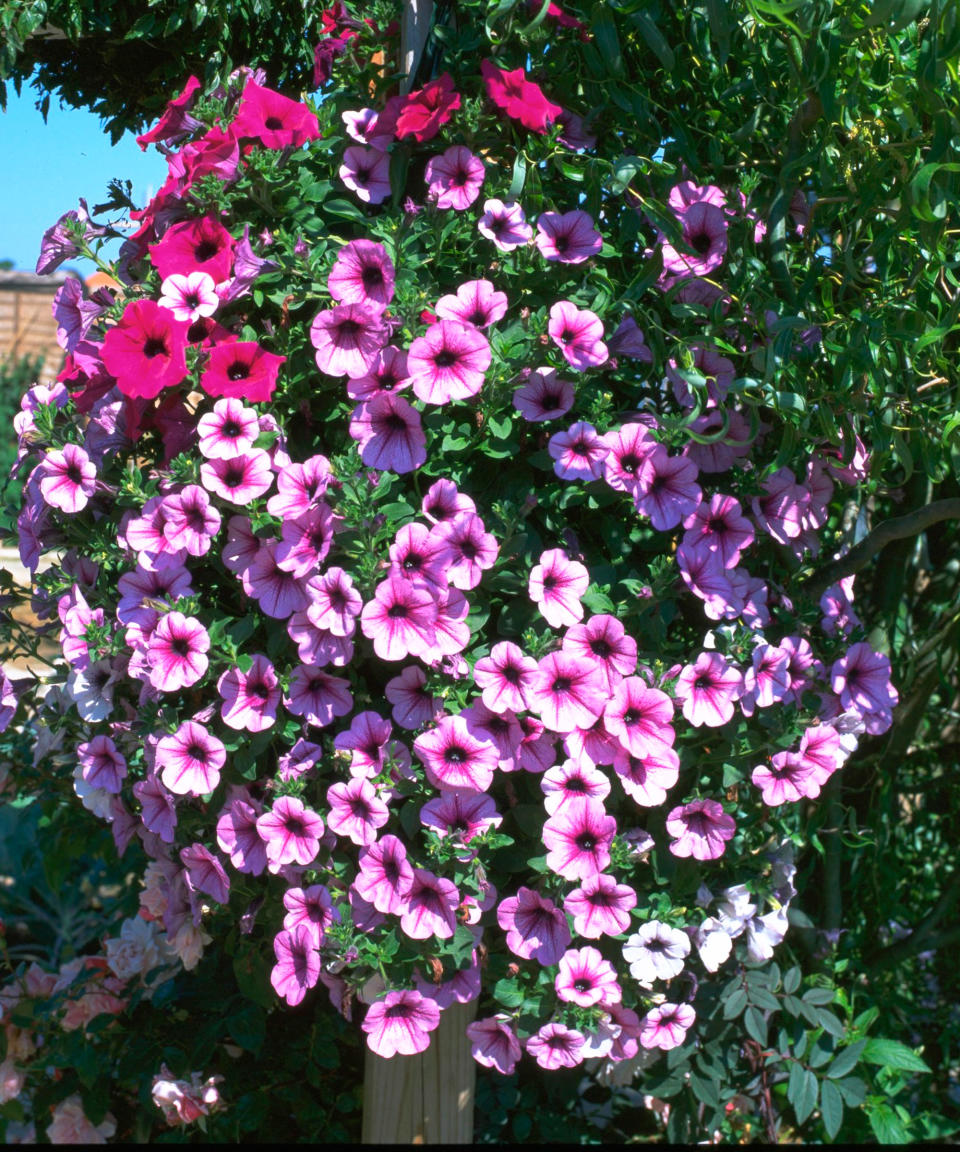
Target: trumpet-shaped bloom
(536, 928)
(708, 689)
(291, 833)
(243, 370)
(476, 302)
(494, 1044)
(273, 120)
(700, 829)
(250, 697)
(556, 586)
(567, 692)
(366, 171)
(666, 1026)
(455, 758)
(400, 1024)
(190, 760)
(556, 1046)
(585, 978)
(356, 811)
(570, 238)
(505, 225)
(390, 433)
(145, 350)
(399, 618)
(454, 179)
(448, 362)
(578, 333)
(230, 430)
(384, 877)
(176, 652)
(362, 273)
(67, 478)
(600, 907)
(656, 952)
(201, 245)
(543, 396)
(506, 677)
(577, 838)
(297, 969)
(348, 338)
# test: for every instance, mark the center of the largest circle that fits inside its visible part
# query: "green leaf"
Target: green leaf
(853, 1090)
(802, 1091)
(887, 1125)
(847, 1060)
(734, 1004)
(893, 1054)
(830, 1023)
(508, 993)
(755, 1025)
(791, 979)
(818, 996)
(831, 1108)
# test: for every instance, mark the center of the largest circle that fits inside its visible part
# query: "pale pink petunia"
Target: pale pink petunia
(67, 478)
(335, 603)
(578, 838)
(384, 877)
(366, 171)
(567, 692)
(600, 907)
(461, 815)
(347, 339)
(564, 783)
(556, 1046)
(700, 829)
(398, 619)
(190, 520)
(455, 758)
(387, 373)
(787, 779)
(628, 447)
(536, 928)
(297, 969)
(311, 908)
(189, 296)
(400, 1024)
(505, 225)
(278, 592)
(443, 501)
(543, 396)
(417, 554)
(356, 811)
(412, 704)
(300, 487)
(646, 779)
(471, 550)
(666, 489)
(556, 586)
(291, 833)
(390, 433)
(666, 1026)
(448, 362)
(430, 907)
(101, 763)
(604, 640)
(237, 836)
(317, 696)
(304, 543)
(719, 526)
(494, 1044)
(362, 273)
(569, 237)
(454, 179)
(639, 717)
(656, 951)
(585, 978)
(239, 479)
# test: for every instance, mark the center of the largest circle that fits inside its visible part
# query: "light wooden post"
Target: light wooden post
(425, 1099)
(414, 29)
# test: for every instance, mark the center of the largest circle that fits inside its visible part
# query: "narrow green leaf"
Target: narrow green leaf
(755, 1024)
(831, 1108)
(734, 1004)
(893, 1054)
(846, 1061)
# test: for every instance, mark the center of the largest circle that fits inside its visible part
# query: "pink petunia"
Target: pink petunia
(476, 302)
(666, 489)
(604, 640)
(67, 478)
(356, 811)
(646, 779)
(189, 296)
(388, 373)
(430, 907)
(412, 704)
(572, 780)
(556, 586)
(639, 717)
(291, 833)
(578, 333)
(787, 779)
(176, 652)
(230, 430)
(384, 877)
(362, 273)
(398, 619)
(556, 1046)
(494, 1044)
(400, 1024)
(101, 763)
(190, 760)
(390, 433)
(448, 362)
(471, 550)
(348, 338)
(536, 928)
(666, 1026)
(443, 501)
(585, 978)
(311, 908)
(700, 829)
(505, 225)
(250, 697)
(190, 521)
(719, 527)
(237, 836)
(454, 179)
(505, 677)
(335, 603)
(455, 758)
(577, 838)
(568, 692)
(317, 696)
(569, 238)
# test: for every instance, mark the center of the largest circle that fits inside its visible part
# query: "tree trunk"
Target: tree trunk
(425, 1099)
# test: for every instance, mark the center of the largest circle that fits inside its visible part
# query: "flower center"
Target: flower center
(205, 250)
(238, 370)
(155, 346)
(586, 842)
(274, 123)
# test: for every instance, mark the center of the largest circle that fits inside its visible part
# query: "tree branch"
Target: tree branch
(897, 528)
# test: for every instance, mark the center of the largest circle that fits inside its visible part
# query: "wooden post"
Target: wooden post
(414, 29)
(425, 1099)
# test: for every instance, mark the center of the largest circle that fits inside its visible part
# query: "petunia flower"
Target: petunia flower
(356, 811)
(505, 225)
(666, 1026)
(646, 779)
(198, 245)
(384, 877)
(189, 296)
(656, 952)
(578, 333)
(569, 238)
(564, 783)
(297, 969)
(366, 171)
(273, 120)
(567, 692)
(536, 928)
(700, 829)
(454, 179)
(556, 586)
(291, 833)
(237, 836)
(471, 550)
(348, 338)
(317, 696)
(578, 453)
(430, 907)
(240, 479)
(519, 97)
(505, 677)
(454, 758)
(145, 350)
(176, 652)
(476, 302)
(362, 273)
(400, 1023)
(604, 640)
(494, 1044)
(600, 907)
(585, 979)
(250, 697)
(425, 111)
(67, 478)
(190, 760)
(390, 433)
(577, 838)
(556, 1046)
(708, 689)
(448, 362)
(241, 369)
(228, 431)
(398, 619)
(543, 396)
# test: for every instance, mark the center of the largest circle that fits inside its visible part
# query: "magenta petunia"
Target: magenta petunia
(348, 338)
(291, 833)
(311, 908)
(176, 652)
(460, 815)
(577, 838)
(390, 433)
(604, 640)
(520, 98)
(454, 179)
(205, 873)
(388, 373)
(578, 333)
(400, 1024)
(145, 350)
(648, 778)
(861, 678)
(297, 969)
(572, 780)
(704, 231)
(199, 245)
(787, 779)
(242, 370)
(700, 829)
(278, 592)
(272, 119)
(190, 760)
(335, 603)
(412, 705)
(68, 478)
(638, 716)
(448, 362)
(536, 928)
(600, 907)
(362, 273)
(569, 237)
(556, 586)
(423, 112)
(250, 697)
(719, 526)
(101, 763)
(368, 742)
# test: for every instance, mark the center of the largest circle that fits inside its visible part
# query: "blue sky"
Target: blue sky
(48, 167)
